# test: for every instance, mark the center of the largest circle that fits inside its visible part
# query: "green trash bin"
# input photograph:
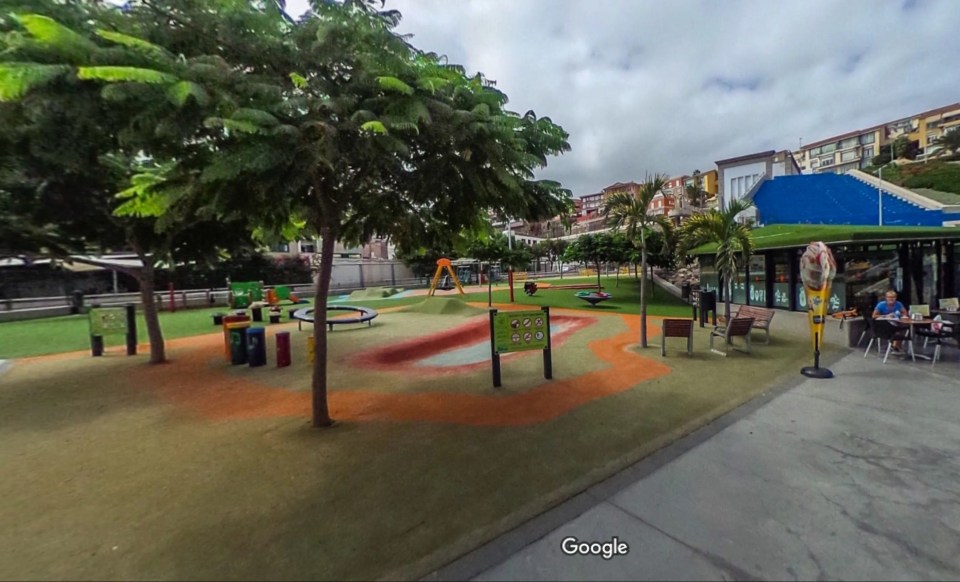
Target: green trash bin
(238, 344)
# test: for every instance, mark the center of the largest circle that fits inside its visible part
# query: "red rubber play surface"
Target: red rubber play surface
(462, 349)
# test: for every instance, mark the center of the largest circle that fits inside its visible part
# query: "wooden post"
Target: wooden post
(510, 277)
(173, 300)
(547, 355)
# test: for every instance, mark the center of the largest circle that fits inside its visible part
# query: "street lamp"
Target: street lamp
(880, 195)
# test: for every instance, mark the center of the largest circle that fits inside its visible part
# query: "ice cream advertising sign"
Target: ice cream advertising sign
(817, 270)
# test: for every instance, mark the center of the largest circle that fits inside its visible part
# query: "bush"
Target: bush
(881, 159)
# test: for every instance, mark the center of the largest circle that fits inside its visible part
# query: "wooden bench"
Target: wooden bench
(676, 328)
(760, 315)
(738, 326)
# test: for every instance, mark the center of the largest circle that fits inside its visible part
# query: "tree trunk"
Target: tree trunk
(643, 291)
(151, 315)
(726, 299)
(618, 276)
(560, 263)
(598, 276)
(321, 411)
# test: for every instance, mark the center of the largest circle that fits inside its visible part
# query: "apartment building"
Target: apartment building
(856, 149)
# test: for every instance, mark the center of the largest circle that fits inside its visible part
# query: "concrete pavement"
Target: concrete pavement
(852, 478)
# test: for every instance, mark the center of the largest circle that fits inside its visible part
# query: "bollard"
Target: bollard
(96, 345)
(283, 349)
(131, 313)
(256, 347)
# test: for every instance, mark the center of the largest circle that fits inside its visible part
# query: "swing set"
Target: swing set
(448, 283)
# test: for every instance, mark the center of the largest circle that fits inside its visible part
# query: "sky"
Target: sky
(646, 86)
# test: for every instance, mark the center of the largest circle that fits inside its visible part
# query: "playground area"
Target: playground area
(200, 469)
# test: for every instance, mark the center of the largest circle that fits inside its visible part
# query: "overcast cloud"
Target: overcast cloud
(649, 86)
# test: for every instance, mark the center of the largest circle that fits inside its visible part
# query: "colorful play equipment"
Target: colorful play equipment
(531, 287)
(283, 293)
(243, 294)
(594, 297)
(364, 315)
(449, 281)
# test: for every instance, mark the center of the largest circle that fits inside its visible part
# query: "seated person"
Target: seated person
(890, 308)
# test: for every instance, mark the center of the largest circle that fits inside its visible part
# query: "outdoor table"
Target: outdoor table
(911, 323)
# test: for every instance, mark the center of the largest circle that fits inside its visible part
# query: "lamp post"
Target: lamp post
(880, 195)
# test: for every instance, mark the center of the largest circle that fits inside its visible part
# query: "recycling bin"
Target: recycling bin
(229, 320)
(238, 342)
(256, 347)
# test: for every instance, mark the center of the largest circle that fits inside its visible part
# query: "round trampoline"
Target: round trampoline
(363, 315)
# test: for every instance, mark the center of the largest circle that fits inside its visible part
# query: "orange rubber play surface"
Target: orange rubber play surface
(194, 385)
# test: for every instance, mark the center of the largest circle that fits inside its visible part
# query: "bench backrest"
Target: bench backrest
(677, 327)
(739, 326)
(757, 313)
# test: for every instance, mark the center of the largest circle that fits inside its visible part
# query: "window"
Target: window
(280, 248)
(781, 281)
(868, 152)
(826, 161)
(758, 281)
(307, 248)
(816, 151)
(829, 149)
(848, 143)
(868, 138)
(848, 156)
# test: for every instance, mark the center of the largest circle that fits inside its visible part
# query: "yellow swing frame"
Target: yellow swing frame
(441, 265)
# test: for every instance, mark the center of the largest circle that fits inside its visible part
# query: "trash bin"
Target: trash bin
(76, 302)
(238, 342)
(257, 313)
(256, 347)
(229, 320)
(274, 317)
(218, 318)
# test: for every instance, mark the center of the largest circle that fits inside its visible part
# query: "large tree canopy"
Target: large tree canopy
(332, 125)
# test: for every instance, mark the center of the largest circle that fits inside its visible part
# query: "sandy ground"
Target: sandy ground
(115, 469)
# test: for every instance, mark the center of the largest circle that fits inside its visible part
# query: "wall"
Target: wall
(733, 187)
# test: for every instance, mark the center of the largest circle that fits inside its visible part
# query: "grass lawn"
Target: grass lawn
(199, 470)
(70, 333)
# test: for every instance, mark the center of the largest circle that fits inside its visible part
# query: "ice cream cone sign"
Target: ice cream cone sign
(817, 270)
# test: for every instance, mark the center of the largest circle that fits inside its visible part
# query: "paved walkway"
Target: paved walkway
(852, 478)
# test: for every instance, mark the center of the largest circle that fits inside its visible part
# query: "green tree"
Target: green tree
(589, 249)
(950, 140)
(631, 214)
(389, 140)
(75, 149)
(733, 239)
(555, 252)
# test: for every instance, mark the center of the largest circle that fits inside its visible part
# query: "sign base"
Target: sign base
(815, 372)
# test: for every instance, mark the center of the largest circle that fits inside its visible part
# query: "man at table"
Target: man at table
(890, 308)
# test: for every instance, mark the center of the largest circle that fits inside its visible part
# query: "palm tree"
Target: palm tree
(632, 214)
(733, 239)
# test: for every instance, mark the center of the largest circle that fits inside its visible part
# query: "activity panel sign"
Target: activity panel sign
(108, 321)
(517, 331)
